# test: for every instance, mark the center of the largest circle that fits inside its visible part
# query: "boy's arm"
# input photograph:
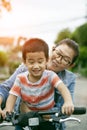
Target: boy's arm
(68, 106)
(10, 103)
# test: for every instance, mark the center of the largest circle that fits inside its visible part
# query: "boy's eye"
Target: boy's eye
(39, 61)
(30, 61)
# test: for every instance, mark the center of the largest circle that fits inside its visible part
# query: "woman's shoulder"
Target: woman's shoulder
(49, 72)
(23, 74)
(70, 74)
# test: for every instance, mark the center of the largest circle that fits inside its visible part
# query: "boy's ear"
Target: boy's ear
(23, 61)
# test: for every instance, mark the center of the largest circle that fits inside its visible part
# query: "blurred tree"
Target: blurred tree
(5, 4)
(65, 33)
(80, 35)
(12, 66)
(3, 58)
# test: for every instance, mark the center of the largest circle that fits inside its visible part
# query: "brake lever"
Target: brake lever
(6, 124)
(70, 119)
(61, 120)
(65, 118)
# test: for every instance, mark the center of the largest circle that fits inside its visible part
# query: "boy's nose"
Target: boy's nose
(36, 65)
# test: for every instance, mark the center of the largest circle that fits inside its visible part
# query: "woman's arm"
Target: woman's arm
(3, 96)
(9, 82)
(6, 85)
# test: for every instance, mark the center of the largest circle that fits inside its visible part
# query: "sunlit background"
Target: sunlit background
(41, 18)
(21, 19)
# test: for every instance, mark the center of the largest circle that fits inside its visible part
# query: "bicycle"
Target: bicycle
(34, 120)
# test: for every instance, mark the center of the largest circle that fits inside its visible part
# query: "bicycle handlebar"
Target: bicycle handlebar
(35, 118)
(77, 111)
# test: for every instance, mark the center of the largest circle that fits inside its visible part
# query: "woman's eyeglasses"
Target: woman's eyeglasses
(64, 59)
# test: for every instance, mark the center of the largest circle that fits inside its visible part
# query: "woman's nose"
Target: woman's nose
(59, 59)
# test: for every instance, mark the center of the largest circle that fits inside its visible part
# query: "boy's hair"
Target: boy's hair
(72, 44)
(35, 45)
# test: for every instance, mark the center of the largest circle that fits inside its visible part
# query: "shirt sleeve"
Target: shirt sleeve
(71, 86)
(3, 94)
(16, 88)
(55, 80)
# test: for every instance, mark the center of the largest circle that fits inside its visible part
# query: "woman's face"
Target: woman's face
(61, 58)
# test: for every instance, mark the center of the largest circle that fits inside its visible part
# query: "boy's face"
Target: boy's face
(36, 64)
(61, 58)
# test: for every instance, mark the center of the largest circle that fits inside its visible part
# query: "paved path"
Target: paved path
(81, 91)
(80, 100)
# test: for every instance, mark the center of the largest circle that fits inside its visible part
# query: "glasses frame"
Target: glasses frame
(65, 58)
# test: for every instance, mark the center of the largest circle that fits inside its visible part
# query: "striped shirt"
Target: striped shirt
(38, 95)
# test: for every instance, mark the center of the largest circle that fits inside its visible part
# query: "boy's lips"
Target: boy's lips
(36, 71)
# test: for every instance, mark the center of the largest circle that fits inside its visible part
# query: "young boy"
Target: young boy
(36, 86)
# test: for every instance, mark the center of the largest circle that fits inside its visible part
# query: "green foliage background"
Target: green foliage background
(80, 36)
(3, 58)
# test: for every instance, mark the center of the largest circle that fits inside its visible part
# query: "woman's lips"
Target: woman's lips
(55, 63)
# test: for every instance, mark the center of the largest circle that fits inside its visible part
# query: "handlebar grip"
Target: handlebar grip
(48, 112)
(79, 110)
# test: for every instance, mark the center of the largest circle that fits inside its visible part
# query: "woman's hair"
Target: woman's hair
(35, 45)
(72, 44)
